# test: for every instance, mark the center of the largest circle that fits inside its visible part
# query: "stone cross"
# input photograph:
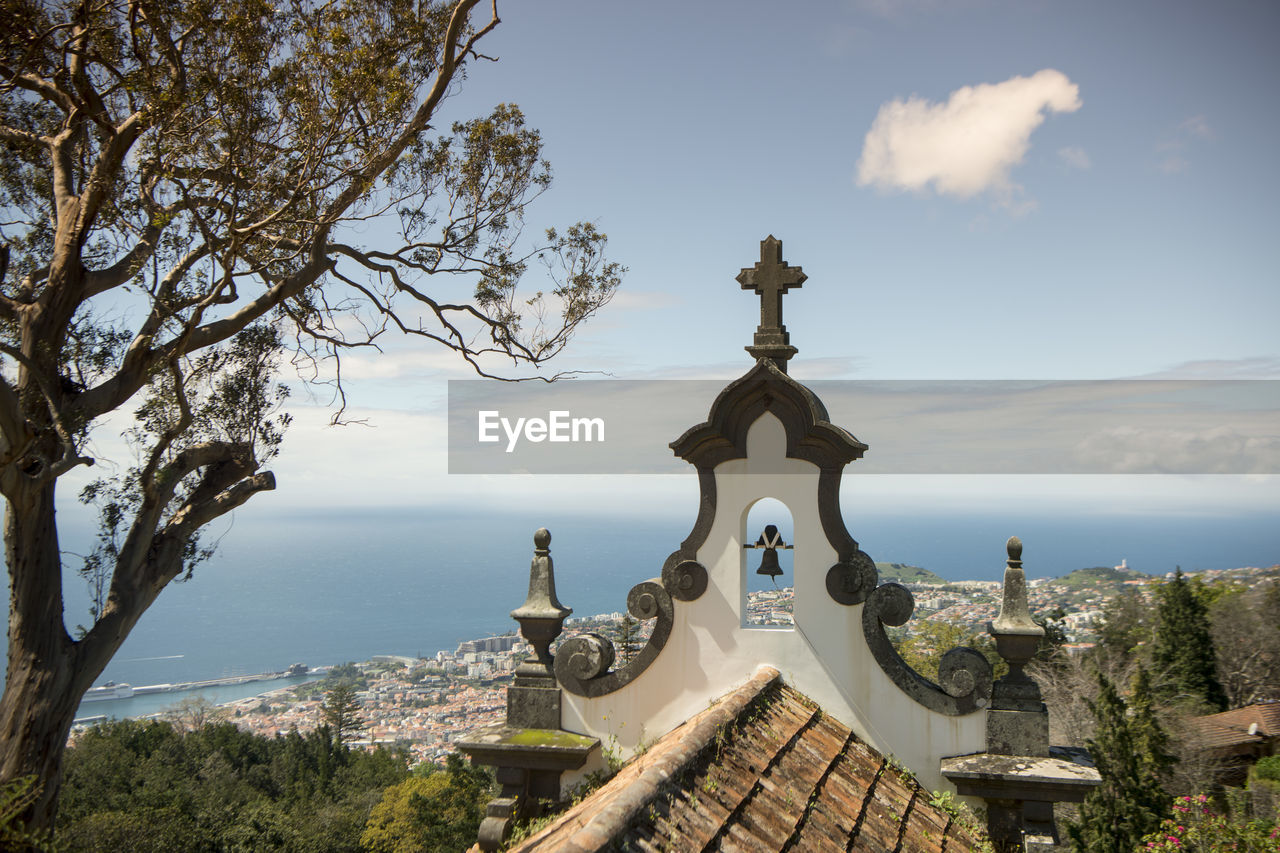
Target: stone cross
(771, 278)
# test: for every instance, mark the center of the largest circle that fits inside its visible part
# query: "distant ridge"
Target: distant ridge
(902, 573)
(1101, 575)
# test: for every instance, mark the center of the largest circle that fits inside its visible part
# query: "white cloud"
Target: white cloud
(1081, 494)
(891, 9)
(1257, 367)
(1197, 126)
(1219, 450)
(1171, 152)
(841, 40)
(968, 145)
(1075, 157)
(406, 359)
(644, 300)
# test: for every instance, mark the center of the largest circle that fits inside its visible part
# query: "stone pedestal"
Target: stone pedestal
(529, 763)
(1018, 732)
(530, 751)
(533, 707)
(1020, 776)
(1020, 791)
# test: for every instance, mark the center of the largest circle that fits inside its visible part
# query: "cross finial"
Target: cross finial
(771, 278)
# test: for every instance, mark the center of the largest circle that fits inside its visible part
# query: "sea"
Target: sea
(321, 587)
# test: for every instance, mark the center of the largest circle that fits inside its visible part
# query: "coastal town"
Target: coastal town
(421, 704)
(426, 704)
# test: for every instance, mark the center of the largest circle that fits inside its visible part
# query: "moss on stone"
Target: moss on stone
(547, 737)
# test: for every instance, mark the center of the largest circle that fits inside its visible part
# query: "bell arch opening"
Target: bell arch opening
(768, 565)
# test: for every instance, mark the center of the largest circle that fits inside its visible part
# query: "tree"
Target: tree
(1126, 626)
(1150, 738)
(1055, 635)
(923, 643)
(440, 811)
(152, 787)
(1183, 653)
(1197, 827)
(191, 713)
(1246, 639)
(626, 638)
(341, 710)
(185, 189)
(927, 640)
(14, 799)
(1128, 752)
(1069, 684)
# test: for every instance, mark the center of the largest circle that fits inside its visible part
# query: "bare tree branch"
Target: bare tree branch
(195, 515)
(70, 457)
(44, 88)
(18, 136)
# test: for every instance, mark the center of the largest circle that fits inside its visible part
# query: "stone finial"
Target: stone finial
(542, 616)
(1015, 616)
(1020, 775)
(1017, 637)
(529, 750)
(771, 278)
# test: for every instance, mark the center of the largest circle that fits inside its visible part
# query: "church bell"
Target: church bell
(770, 541)
(769, 564)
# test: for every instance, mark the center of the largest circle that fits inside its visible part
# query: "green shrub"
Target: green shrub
(1268, 768)
(1196, 828)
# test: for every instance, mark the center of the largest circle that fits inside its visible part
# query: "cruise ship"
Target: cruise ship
(110, 690)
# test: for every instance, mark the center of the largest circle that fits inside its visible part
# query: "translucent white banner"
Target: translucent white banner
(912, 427)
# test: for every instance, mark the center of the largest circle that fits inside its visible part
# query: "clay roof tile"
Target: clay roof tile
(763, 769)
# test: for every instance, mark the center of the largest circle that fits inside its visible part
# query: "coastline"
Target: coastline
(157, 703)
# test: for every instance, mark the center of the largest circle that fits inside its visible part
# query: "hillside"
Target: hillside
(903, 573)
(1100, 576)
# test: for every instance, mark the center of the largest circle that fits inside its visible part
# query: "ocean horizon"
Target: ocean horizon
(324, 587)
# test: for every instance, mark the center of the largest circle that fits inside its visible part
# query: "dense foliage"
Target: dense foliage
(1182, 648)
(1126, 627)
(923, 643)
(1183, 653)
(15, 798)
(1206, 647)
(438, 811)
(341, 713)
(1246, 636)
(1268, 769)
(148, 786)
(1196, 827)
(1128, 749)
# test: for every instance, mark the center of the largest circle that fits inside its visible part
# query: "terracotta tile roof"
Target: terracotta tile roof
(762, 770)
(1231, 728)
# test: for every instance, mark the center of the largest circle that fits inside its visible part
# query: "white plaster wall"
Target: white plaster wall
(825, 657)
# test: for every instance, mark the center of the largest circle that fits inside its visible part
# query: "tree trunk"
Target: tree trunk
(49, 672)
(42, 686)
(36, 713)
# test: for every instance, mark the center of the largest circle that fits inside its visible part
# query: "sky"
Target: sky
(976, 190)
(980, 192)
